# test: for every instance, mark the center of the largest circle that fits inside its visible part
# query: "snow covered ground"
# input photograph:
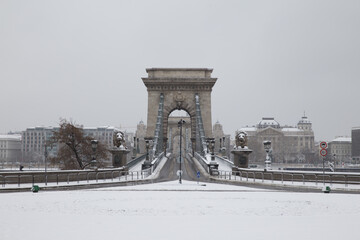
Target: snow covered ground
(173, 211)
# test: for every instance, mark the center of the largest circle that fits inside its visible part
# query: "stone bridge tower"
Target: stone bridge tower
(178, 87)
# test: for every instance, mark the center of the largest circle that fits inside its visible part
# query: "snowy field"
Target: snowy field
(173, 211)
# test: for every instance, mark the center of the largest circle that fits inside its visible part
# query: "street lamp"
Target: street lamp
(224, 147)
(147, 163)
(207, 145)
(134, 148)
(268, 150)
(212, 149)
(94, 144)
(45, 155)
(137, 145)
(180, 124)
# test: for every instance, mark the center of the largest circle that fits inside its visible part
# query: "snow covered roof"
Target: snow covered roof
(10, 137)
(40, 128)
(101, 128)
(248, 129)
(342, 139)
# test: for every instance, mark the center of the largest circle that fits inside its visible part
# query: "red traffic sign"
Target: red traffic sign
(323, 152)
(323, 145)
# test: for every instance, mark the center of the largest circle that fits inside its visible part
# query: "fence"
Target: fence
(61, 177)
(286, 176)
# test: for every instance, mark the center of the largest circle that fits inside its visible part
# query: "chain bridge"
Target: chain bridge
(177, 147)
(187, 89)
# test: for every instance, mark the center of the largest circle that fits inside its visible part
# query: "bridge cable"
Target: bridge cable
(158, 139)
(199, 125)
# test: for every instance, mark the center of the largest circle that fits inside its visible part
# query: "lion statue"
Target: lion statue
(119, 139)
(241, 139)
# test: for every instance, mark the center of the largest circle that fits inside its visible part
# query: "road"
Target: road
(168, 172)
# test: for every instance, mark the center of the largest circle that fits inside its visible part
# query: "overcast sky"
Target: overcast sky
(84, 60)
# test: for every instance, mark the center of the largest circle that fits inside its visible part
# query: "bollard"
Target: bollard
(35, 188)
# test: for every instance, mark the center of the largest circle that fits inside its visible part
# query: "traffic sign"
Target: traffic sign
(323, 152)
(323, 145)
(198, 174)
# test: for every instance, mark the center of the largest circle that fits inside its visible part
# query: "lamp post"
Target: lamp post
(137, 145)
(267, 147)
(147, 163)
(212, 149)
(224, 147)
(45, 155)
(94, 144)
(180, 124)
(220, 145)
(207, 145)
(134, 148)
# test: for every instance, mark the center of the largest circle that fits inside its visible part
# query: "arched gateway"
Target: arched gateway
(170, 89)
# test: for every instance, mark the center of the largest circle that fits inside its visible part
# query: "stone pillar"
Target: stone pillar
(193, 145)
(241, 157)
(165, 141)
(119, 157)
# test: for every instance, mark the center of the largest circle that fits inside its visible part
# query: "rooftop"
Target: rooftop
(342, 139)
(10, 137)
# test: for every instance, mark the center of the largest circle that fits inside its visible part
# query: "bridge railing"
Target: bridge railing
(135, 161)
(156, 161)
(288, 176)
(73, 177)
(224, 161)
(203, 161)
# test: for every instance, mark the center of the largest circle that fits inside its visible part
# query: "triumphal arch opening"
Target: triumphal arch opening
(187, 89)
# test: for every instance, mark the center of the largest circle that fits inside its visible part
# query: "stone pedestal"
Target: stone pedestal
(241, 157)
(146, 165)
(213, 168)
(119, 156)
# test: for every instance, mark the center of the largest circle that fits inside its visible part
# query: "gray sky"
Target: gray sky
(84, 60)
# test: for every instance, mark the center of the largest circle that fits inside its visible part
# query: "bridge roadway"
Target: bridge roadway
(170, 168)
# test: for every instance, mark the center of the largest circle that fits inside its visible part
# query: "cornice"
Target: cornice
(175, 84)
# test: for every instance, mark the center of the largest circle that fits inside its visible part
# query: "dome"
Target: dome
(268, 122)
(304, 119)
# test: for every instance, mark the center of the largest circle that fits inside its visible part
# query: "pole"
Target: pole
(181, 122)
(324, 170)
(46, 153)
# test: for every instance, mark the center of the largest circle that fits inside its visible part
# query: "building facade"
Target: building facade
(289, 144)
(34, 139)
(339, 150)
(222, 140)
(10, 148)
(33, 143)
(355, 146)
(140, 135)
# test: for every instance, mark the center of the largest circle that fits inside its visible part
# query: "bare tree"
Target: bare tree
(75, 150)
